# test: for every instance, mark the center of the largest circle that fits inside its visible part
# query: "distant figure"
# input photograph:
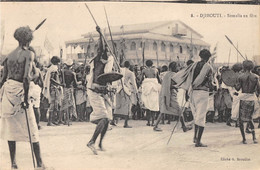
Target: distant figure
(68, 101)
(52, 90)
(150, 91)
(126, 96)
(189, 62)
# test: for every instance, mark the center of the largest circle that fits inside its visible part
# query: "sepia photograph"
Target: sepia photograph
(126, 85)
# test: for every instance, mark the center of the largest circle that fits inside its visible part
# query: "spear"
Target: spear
(183, 108)
(38, 26)
(26, 115)
(235, 47)
(103, 37)
(108, 48)
(29, 133)
(229, 56)
(113, 45)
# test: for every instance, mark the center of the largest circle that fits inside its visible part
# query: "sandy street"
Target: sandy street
(64, 148)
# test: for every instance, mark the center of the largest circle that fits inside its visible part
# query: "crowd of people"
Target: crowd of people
(65, 92)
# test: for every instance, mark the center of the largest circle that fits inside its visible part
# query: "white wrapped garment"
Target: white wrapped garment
(150, 93)
(13, 118)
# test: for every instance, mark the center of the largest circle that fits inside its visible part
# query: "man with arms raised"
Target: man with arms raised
(98, 94)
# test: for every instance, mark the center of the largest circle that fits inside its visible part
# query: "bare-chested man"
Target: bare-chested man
(14, 97)
(150, 91)
(248, 82)
(98, 96)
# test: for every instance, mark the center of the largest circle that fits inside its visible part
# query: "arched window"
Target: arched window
(171, 48)
(180, 49)
(155, 46)
(133, 46)
(162, 46)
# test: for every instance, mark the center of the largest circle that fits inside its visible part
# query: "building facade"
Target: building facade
(161, 42)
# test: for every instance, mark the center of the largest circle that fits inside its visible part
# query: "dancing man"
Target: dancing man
(14, 101)
(98, 96)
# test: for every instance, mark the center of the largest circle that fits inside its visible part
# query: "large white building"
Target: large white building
(161, 42)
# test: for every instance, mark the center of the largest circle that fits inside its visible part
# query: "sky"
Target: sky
(69, 20)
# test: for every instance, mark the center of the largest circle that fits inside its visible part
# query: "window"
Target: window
(155, 46)
(180, 49)
(163, 47)
(133, 46)
(171, 48)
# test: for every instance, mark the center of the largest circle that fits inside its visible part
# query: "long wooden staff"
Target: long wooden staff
(114, 50)
(183, 108)
(110, 50)
(29, 133)
(26, 115)
(177, 122)
(113, 45)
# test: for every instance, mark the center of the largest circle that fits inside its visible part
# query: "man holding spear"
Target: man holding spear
(99, 90)
(17, 114)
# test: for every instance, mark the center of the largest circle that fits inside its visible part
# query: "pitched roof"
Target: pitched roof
(134, 28)
(140, 28)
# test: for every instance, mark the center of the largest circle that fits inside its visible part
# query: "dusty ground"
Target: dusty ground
(64, 148)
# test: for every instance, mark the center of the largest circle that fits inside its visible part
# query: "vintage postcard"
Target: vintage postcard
(144, 34)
